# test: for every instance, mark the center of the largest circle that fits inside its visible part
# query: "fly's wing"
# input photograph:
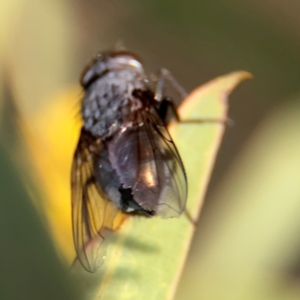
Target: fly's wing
(172, 176)
(92, 214)
(147, 161)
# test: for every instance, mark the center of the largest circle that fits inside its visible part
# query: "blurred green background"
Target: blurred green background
(247, 244)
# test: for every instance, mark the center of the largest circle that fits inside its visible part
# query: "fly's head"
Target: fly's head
(108, 61)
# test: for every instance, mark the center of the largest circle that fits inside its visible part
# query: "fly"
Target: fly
(125, 160)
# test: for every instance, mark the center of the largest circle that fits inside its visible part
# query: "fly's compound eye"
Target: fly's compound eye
(109, 61)
(126, 56)
(94, 70)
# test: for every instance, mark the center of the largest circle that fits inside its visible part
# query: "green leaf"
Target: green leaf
(146, 256)
(251, 247)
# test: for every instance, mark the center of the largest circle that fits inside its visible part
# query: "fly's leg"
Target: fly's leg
(166, 75)
(190, 218)
(166, 103)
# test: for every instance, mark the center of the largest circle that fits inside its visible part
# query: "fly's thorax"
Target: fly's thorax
(109, 102)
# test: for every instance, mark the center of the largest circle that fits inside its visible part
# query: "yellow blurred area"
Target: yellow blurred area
(51, 136)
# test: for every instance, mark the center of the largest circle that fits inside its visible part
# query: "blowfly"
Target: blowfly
(125, 161)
